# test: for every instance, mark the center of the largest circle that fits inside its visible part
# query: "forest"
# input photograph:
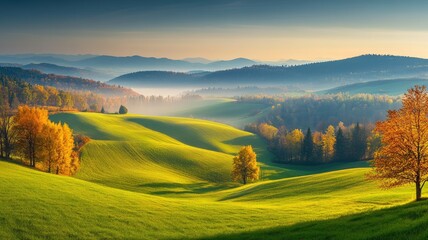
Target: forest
(319, 111)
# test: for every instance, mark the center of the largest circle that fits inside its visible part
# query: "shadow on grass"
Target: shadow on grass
(408, 221)
(178, 188)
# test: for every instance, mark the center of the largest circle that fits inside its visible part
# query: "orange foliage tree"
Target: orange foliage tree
(403, 155)
(40, 140)
(29, 124)
(245, 165)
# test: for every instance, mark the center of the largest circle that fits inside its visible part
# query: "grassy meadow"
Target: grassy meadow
(169, 178)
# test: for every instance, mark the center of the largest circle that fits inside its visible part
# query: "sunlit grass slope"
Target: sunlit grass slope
(162, 154)
(36, 205)
(165, 178)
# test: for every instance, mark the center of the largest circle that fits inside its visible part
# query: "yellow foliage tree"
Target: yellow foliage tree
(44, 141)
(328, 141)
(245, 167)
(57, 148)
(403, 155)
(267, 131)
(29, 124)
(294, 141)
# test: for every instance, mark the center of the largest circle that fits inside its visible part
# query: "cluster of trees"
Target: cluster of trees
(340, 143)
(320, 111)
(37, 141)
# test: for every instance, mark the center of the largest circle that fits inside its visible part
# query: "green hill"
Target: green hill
(164, 177)
(393, 87)
(178, 154)
(228, 111)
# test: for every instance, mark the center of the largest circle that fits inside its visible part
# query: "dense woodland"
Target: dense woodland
(319, 111)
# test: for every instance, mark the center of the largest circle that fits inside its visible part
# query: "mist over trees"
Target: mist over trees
(319, 111)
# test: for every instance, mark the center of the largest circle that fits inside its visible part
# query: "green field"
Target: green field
(169, 178)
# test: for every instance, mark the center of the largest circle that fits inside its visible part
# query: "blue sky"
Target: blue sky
(264, 30)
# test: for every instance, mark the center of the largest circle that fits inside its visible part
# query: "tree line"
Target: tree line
(339, 144)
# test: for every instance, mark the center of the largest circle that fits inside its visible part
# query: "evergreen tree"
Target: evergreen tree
(340, 147)
(123, 110)
(358, 143)
(102, 110)
(308, 147)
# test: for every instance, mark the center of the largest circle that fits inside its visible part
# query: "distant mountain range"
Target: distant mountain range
(308, 76)
(115, 66)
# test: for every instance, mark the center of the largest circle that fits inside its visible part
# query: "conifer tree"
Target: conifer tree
(308, 147)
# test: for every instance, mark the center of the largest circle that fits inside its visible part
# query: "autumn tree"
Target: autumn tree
(403, 156)
(245, 167)
(51, 142)
(328, 142)
(294, 141)
(29, 124)
(267, 131)
(373, 144)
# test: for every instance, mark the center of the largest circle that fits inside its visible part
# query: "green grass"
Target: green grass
(228, 111)
(169, 178)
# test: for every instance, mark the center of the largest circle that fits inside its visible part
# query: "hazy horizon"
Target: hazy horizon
(268, 31)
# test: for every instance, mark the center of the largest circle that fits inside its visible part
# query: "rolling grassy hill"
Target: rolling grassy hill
(393, 87)
(168, 178)
(228, 111)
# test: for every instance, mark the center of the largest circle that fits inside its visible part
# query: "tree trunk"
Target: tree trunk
(418, 190)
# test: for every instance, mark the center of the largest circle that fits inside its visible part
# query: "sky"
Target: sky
(216, 29)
